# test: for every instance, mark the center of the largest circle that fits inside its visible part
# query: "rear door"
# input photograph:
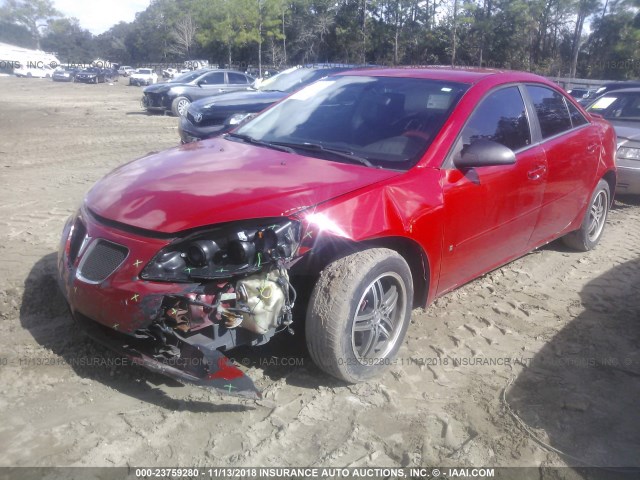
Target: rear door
(212, 83)
(490, 212)
(572, 149)
(237, 81)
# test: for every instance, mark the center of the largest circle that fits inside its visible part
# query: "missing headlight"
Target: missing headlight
(225, 251)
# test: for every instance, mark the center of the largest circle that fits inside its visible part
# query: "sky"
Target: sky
(98, 16)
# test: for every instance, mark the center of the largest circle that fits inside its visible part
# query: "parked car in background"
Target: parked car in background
(33, 72)
(170, 72)
(578, 93)
(143, 76)
(126, 70)
(212, 116)
(369, 192)
(607, 87)
(622, 109)
(92, 75)
(64, 74)
(176, 95)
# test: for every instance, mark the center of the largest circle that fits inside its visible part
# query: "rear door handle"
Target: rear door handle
(537, 172)
(592, 147)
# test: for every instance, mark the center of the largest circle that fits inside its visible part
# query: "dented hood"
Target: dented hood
(220, 180)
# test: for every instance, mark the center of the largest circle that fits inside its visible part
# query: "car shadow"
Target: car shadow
(626, 201)
(580, 393)
(148, 114)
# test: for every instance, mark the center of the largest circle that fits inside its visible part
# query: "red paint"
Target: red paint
(217, 181)
(225, 371)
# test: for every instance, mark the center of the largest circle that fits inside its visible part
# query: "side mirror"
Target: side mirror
(485, 153)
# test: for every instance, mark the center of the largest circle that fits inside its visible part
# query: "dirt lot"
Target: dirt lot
(553, 337)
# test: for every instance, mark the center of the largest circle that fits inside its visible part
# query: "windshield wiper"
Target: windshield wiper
(316, 147)
(254, 141)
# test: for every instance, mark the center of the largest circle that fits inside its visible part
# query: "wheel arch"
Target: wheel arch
(328, 250)
(611, 178)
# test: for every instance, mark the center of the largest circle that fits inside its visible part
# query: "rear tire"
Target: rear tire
(179, 106)
(358, 314)
(590, 232)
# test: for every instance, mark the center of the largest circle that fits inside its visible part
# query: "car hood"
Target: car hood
(627, 131)
(219, 180)
(237, 100)
(164, 87)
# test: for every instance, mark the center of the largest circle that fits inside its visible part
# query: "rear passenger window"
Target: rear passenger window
(237, 79)
(577, 118)
(215, 78)
(501, 118)
(551, 110)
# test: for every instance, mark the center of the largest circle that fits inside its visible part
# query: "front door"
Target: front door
(490, 212)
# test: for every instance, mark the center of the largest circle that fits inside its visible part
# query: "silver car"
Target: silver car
(622, 109)
(176, 95)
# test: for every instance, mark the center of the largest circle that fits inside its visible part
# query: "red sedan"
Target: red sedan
(382, 189)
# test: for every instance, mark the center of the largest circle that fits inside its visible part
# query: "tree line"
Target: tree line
(577, 38)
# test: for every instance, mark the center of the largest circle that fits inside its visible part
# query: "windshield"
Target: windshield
(387, 121)
(293, 79)
(617, 106)
(144, 71)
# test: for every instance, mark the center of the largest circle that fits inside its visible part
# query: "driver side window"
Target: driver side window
(501, 117)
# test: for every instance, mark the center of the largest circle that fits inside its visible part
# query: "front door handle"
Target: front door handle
(537, 172)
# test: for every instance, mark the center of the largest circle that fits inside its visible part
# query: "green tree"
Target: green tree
(31, 14)
(69, 41)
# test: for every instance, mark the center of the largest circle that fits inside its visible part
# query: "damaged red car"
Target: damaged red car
(382, 189)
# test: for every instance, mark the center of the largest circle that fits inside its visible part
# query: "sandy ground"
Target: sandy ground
(553, 337)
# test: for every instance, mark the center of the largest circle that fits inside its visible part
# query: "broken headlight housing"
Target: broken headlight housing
(225, 251)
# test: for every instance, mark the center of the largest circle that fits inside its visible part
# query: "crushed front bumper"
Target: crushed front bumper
(99, 274)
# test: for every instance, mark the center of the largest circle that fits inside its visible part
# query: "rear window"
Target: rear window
(237, 79)
(577, 118)
(551, 109)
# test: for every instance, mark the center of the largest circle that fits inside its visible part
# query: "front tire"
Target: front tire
(358, 314)
(590, 232)
(179, 106)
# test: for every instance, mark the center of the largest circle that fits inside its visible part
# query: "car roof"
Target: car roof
(460, 75)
